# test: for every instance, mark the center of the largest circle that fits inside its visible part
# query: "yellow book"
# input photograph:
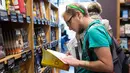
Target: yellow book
(52, 58)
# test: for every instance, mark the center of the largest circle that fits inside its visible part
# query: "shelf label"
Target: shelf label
(46, 23)
(35, 20)
(39, 21)
(24, 57)
(2, 68)
(28, 19)
(11, 63)
(47, 70)
(43, 21)
(29, 54)
(13, 16)
(4, 15)
(35, 52)
(20, 18)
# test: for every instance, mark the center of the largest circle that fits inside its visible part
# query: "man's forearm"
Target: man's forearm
(97, 66)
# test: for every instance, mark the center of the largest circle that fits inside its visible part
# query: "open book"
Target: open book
(52, 58)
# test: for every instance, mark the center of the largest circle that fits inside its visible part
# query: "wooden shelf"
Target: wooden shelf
(123, 18)
(122, 2)
(16, 56)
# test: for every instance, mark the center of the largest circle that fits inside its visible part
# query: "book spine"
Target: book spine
(21, 6)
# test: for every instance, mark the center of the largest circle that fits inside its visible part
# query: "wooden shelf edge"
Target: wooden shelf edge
(16, 56)
(122, 18)
(122, 2)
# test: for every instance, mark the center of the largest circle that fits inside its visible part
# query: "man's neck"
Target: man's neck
(88, 20)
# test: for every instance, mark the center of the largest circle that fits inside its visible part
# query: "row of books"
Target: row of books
(17, 6)
(13, 41)
(13, 67)
(39, 11)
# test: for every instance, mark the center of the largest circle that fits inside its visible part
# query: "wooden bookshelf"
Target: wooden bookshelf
(29, 64)
(122, 21)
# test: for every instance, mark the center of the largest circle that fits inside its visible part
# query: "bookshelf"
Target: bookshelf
(37, 25)
(123, 22)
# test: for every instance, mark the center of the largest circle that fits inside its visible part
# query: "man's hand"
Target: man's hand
(71, 61)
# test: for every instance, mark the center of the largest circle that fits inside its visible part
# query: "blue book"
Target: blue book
(125, 13)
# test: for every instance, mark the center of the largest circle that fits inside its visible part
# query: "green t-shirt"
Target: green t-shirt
(97, 36)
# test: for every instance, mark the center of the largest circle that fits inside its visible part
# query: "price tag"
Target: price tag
(24, 57)
(2, 68)
(29, 54)
(43, 21)
(11, 63)
(28, 19)
(13, 16)
(35, 20)
(4, 15)
(20, 18)
(39, 21)
(46, 22)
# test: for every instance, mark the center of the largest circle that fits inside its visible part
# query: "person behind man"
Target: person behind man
(77, 18)
(94, 10)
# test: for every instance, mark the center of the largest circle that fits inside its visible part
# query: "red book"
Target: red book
(21, 6)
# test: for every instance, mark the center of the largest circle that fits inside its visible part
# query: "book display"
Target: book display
(26, 28)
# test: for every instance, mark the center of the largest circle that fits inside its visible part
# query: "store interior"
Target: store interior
(34, 35)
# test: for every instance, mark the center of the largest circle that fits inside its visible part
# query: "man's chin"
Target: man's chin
(81, 31)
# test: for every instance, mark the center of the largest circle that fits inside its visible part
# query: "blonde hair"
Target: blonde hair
(94, 7)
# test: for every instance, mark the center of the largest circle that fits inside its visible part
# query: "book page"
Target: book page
(57, 54)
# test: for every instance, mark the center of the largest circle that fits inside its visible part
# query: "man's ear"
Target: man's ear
(79, 15)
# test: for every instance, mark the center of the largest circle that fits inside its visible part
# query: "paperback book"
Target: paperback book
(53, 59)
(124, 43)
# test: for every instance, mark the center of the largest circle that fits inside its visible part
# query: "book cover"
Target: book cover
(125, 13)
(127, 29)
(122, 30)
(2, 5)
(43, 11)
(124, 43)
(52, 58)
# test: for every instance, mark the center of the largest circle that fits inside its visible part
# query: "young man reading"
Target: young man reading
(96, 55)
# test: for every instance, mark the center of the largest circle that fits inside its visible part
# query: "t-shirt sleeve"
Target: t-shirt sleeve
(98, 38)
